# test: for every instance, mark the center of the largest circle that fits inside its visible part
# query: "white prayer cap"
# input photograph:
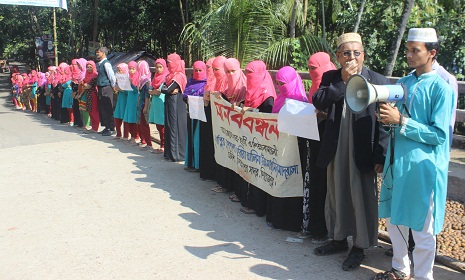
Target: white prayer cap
(427, 35)
(349, 37)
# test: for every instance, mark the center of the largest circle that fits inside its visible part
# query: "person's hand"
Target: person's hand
(321, 114)
(217, 94)
(117, 88)
(244, 109)
(175, 92)
(155, 92)
(348, 69)
(379, 168)
(388, 114)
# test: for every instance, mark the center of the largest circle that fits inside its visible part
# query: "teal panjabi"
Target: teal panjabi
(421, 155)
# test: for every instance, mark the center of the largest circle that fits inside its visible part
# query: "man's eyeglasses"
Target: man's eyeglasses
(349, 53)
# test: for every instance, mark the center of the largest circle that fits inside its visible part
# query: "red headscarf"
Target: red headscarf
(159, 78)
(321, 63)
(292, 87)
(260, 86)
(135, 76)
(144, 73)
(210, 75)
(176, 66)
(221, 80)
(90, 76)
(199, 75)
(237, 82)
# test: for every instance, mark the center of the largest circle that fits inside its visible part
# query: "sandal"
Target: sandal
(246, 210)
(353, 261)
(236, 199)
(332, 247)
(392, 274)
(220, 189)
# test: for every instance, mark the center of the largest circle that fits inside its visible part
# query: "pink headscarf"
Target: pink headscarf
(176, 66)
(144, 73)
(210, 75)
(199, 75)
(135, 78)
(322, 62)
(159, 78)
(123, 67)
(90, 76)
(78, 70)
(260, 86)
(237, 82)
(293, 88)
(42, 79)
(34, 77)
(65, 72)
(25, 79)
(221, 80)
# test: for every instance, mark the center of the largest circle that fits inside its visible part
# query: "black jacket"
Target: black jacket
(370, 139)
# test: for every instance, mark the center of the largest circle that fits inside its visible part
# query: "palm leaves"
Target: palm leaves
(249, 30)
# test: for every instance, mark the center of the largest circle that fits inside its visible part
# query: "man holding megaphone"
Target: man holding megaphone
(414, 190)
(354, 148)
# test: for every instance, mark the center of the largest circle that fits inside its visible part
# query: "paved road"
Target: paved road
(78, 206)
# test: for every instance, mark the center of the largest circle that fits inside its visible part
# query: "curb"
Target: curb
(444, 260)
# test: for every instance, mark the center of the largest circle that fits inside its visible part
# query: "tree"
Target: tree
(408, 5)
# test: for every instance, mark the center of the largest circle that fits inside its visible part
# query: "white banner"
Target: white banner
(196, 108)
(44, 3)
(123, 81)
(299, 119)
(251, 145)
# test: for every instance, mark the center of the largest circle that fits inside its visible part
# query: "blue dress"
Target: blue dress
(67, 100)
(421, 155)
(120, 107)
(131, 106)
(157, 109)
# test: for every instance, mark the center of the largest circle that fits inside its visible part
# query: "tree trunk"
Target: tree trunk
(95, 31)
(292, 20)
(323, 24)
(408, 5)
(359, 15)
(182, 13)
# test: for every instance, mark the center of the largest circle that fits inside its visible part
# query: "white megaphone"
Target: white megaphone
(360, 93)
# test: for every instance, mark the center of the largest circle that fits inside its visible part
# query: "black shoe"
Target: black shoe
(104, 131)
(108, 133)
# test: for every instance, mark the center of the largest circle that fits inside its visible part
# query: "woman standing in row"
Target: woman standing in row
(157, 107)
(130, 114)
(175, 109)
(143, 104)
(195, 87)
(207, 163)
(90, 92)
(120, 107)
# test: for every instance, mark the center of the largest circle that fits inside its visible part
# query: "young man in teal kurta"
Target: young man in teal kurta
(414, 190)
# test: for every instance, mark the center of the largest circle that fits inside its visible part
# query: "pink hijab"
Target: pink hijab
(237, 82)
(176, 66)
(321, 63)
(145, 75)
(135, 78)
(65, 72)
(123, 67)
(90, 76)
(34, 77)
(210, 75)
(78, 70)
(159, 78)
(293, 88)
(260, 86)
(221, 80)
(199, 75)
(42, 79)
